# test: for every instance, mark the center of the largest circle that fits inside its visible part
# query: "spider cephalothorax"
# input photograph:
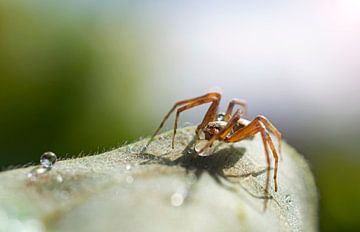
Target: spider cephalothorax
(227, 127)
(213, 128)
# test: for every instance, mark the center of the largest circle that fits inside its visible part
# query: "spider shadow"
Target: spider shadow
(215, 165)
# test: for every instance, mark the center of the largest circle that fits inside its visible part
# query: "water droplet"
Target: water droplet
(177, 199)
(128, 167)
(129, 179)
(48, 159)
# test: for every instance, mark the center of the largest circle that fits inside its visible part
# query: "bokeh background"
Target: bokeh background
(81, 77)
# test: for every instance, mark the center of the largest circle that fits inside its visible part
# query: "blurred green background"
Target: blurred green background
(82, 77)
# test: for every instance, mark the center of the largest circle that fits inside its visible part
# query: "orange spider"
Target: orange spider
(226, 127)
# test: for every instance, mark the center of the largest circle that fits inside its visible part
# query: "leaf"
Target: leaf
(163, 190)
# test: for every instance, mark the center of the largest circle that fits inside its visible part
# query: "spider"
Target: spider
(227, 127)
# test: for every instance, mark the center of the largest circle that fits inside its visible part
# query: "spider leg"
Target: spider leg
(263, 137)
(213, 107)
(180, 103)
(209, 116)
(250, 130)
(276, 158)
(231, 105)
(273, 129)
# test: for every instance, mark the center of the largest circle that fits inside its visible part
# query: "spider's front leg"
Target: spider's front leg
(213, 97)
(209, 116)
